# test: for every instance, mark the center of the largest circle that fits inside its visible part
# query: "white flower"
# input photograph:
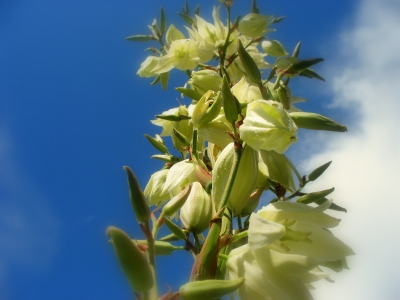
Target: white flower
(246, 92)
(155, 186)
(182, 54)
(268, 126)
(146, 68)
(254, 25)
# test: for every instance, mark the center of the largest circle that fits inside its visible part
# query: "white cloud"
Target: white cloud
(365, 168)
(28, 228)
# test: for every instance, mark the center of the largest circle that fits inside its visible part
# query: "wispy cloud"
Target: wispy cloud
(28, 228)
(365, 168)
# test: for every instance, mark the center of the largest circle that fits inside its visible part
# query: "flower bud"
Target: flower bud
(273, 48)
(244, 182)
(176, 202)
(252, 204)
(268, 126)
(209, 289)
(184, 127)
(284, 96)
(132, 260)
(136, 195)
(197, 211)
(205, 80)
(254, 25)
(153, 189)
(147, 66)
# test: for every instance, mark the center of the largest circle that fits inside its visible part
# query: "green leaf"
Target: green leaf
(315, 196)
(177, 231)
(304, 64)
(163, 21)
(316, 122)
(197, 10)
(140, 38)
(277, 20)
(311, 74)
(318, 171)
(175, 118)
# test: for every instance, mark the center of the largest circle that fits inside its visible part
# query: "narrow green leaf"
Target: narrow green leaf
(315, 196)
(316, 122)
(311, 74)
(197, 10)
(175, 118)
(163, 21)
(160, 247)
(318, 171)
(140, 38)
(277, 20)
(156, 80)
(166, 157)
(209, 289)
(304, 64)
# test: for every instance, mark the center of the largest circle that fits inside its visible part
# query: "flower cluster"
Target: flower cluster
(229, 158)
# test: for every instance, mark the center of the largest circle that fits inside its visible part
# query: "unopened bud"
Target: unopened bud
(284, 96)
(209, 289)
(132, 260)
(254, 25)
(244, 182)
(205, 80)
(316, 122)
(273, 48)
(197, 211)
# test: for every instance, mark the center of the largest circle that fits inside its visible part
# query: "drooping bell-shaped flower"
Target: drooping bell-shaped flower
(146, 67)
(153, 189)
(254, 25)
(197, 211)
(268, 126)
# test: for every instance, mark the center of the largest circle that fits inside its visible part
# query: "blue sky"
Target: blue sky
(73, 112)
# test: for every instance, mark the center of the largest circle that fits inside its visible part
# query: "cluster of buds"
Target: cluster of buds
(228, 160)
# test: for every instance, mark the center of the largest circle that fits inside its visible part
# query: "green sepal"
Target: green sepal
(311, 74)
(132, 260)
(315, 196)
(160, 247)
(138, 201)
(163, 20)
(316, 122)
(157, 144)
(164, 80)
(192, 94)
(248, 63)
(318, 171)
(209, 289)
(230, 107)
(182, 138)
(304, 64)
(140, 38)
(175, 229)
(174, 118)
(284, 96)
